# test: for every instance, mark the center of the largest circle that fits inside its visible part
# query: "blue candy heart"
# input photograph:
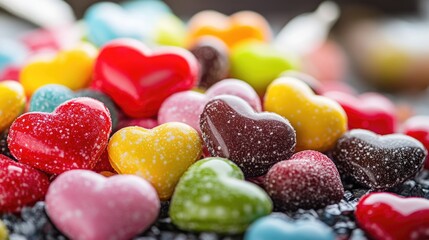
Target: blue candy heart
(11, 53)
(275, 228)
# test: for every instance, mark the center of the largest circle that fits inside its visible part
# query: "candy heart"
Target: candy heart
(12, 102)
(418, 128)
(309, 179)
(160, 155)
(370, 111)
(315, 85)
(212, 54)
(73, 136)
(388, 216)
(238, 27)
(378, 161)
(254, 141)
(213, 196)
(49, 97)
(258, 64)
(318, 121)
(148, 123)
(20, 185)
(86, 205)
(187, 106)
(142, 81)
(71, 68)
(170, 30)
(275, 228)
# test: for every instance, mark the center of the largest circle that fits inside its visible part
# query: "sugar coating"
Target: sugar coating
(49, 97)
(254, 141)
(12, 102)
(379, 161)
(86, 205)
(73, 136)
(160, 155)
(309, 179)
(20, 185)
(213, 196)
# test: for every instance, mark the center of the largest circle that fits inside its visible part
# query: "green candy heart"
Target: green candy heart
(213, 196)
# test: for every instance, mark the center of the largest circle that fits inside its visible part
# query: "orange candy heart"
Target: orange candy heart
(244, 25)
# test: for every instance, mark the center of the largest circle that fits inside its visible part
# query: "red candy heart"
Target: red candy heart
(20, 185)
(388, 216)
(139, 80)
(369, 111)
(72, 137)
(418, 128)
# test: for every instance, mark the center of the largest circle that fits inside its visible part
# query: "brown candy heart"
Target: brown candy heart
(254, 141)
(376, 161)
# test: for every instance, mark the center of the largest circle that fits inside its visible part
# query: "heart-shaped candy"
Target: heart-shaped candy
(275, 228)
(72, 68)
(241, 26)
(309, 179)
(160, 155)
(20, 185)
(140, 82)
(370, 111)
(378, 161)
(12, 102)
(86, 205)
(73, 136)
(318, 121)
(213, 196)
(388, 216)
(254, 141)
(418, 128)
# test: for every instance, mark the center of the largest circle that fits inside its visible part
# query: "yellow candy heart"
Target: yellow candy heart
(12, 102)
(160, 155)
(318, 121)
(71, 68)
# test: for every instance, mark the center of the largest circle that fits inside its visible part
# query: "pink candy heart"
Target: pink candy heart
(86, 205)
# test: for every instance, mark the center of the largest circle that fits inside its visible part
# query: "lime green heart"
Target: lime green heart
(170, 31)
(213, 196)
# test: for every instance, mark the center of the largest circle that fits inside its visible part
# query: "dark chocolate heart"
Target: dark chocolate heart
(254, 141)
(378, 161)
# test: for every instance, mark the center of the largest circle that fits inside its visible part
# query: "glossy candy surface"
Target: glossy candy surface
(318, 121)
(378, 161)
(73, 136)
(388, 216)
(160, 155)
(20, 185)
(309, 179)
(254, 141)
(213, 196)
(86, 205)
(418, 128)
(140, 82)
(12, 102)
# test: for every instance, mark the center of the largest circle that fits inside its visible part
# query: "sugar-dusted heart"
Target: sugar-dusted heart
(213, 196)
(309, 179)
(73, 136)
(254, 141)
(140, 82)
(85, 205)
(388, 216)
(12, 102)
(370, 111)
(71, 68)
(378, 161)
(160, 155)
(187, 106)
(276, 228)
(241, 26)
(318, 121)
(20, 185)
(418, 128)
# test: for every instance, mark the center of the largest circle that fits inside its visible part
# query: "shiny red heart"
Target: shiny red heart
(369, 111)
(391, 217)
(418, 128)
(72, 137)
(20, 185)
(139, 80)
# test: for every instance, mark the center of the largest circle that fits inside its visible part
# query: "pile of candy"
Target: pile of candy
(131, 141)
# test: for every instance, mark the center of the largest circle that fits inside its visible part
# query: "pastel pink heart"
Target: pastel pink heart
(85, 205)
(187, 106)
